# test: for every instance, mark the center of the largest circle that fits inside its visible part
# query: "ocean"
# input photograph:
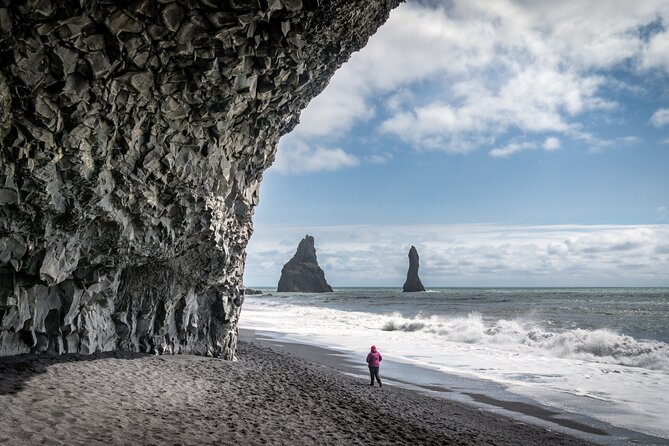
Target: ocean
(600, 352)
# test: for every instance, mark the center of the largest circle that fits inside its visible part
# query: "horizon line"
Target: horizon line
(477, 287)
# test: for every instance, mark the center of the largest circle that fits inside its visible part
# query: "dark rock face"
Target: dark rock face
(302, 273)
(133, 139)
(413, 282)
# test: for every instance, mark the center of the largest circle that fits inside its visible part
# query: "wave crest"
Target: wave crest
(601, 345)
(393, 325)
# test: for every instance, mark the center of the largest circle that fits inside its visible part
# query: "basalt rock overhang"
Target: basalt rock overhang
(133, 139)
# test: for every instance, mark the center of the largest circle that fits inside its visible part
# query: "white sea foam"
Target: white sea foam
(592, 345)
(607, 375)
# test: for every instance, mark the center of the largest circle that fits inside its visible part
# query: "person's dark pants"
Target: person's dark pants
(374, 372)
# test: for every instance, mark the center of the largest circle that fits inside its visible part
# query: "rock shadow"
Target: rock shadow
(15, 371)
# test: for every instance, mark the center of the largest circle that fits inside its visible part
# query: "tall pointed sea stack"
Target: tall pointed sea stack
(413, 282)
(302, 272)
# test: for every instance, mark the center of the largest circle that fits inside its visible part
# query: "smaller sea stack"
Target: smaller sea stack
(302, 273)
(413, 282)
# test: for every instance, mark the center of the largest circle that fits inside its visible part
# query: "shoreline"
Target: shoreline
(267, 396)
(470, 392)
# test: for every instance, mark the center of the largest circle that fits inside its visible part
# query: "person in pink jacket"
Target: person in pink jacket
(374, 362)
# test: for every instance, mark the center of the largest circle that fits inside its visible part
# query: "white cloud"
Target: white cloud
(399, 99)
(336, 109)
(660, 118)
(552, 143)
(534, 101)
(597, 145)
(460, 77)
(295, 157)
(472, 255)
(656, 52)
(512, 148)
(379, 158)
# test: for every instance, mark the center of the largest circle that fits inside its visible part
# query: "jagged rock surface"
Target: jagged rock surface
(133, 139)
(413, 282)
(302, 273)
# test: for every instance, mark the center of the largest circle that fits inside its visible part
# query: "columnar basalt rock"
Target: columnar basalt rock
(413, 282)
(302, 273)
(133, 139)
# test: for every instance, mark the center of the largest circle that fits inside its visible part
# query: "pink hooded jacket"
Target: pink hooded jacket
(374, 358)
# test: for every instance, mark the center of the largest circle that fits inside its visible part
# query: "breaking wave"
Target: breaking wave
(392, 325)
(601, 345)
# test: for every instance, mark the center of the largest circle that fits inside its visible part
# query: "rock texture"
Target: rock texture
(302, 273)
(413, 282)
(133, 139)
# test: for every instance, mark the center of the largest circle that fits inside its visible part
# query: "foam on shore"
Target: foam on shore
(600, 373)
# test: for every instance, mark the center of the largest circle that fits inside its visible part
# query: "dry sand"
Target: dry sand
(264, 398)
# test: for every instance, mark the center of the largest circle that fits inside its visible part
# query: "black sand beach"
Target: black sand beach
(266, 397)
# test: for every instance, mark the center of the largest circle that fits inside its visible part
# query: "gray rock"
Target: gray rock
(142, 82)
(120, 22)
(292, 5)
(172, 15)
(302, 273)
(99, 64)
(7, 196)
(413, 282)
(5, 108)
(133, 140)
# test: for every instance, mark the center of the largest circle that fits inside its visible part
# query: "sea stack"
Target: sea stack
(413, 282)
(302, 273)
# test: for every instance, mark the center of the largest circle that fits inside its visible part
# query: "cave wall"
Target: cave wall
(133, 140)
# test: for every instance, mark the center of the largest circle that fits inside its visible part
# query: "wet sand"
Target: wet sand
(266, 397)
(407, 377)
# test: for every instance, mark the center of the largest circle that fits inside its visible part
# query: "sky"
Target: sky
(514, 143)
